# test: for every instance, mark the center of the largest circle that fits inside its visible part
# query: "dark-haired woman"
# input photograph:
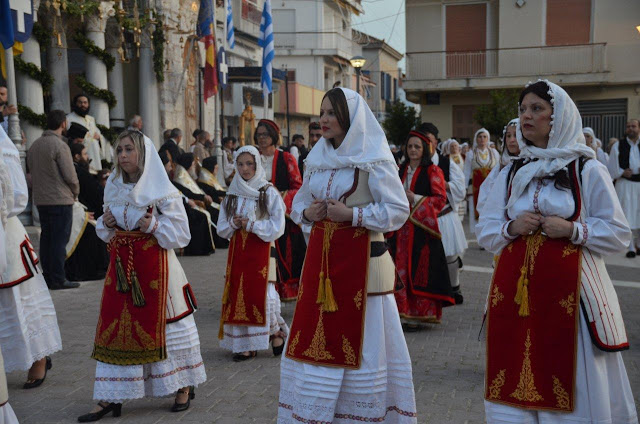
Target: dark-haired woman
(510, 152)
(417, 246)
(252, 216)
(346, 356)
(146, 340)
(554, 326)
(281, 170)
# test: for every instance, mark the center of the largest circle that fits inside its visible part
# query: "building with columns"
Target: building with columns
(131, 57)
(459, 50)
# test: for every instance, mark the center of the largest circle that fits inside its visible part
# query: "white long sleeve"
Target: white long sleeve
(467, 167)
(268, 229)
(486, 187)
(604, 228)
(390, 207)
(19, 182)
(457, 191)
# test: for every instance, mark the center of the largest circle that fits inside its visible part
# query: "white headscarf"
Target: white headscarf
(475, 137)
(505, 158)
(364, 145)
(152, 187)
(566, 143)
(248, 189)
(596, 141)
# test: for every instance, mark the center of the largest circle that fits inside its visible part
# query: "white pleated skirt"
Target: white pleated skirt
(380, 391)
(28, 324)
(453, 238)
(629, 195)
(7, 416)
(183, 367)
(244, 338)
(603, 394)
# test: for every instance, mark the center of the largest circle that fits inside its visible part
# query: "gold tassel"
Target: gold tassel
(524, 305)
(321, 289)
(330, 304)
(225, 294)
(136, 294)
(518, 298)
(122, 286)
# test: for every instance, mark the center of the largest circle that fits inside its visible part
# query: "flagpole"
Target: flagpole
(14, 120)
(218, 133)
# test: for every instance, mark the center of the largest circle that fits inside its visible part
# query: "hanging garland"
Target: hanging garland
(35, 119)
(80, 9)
(158, 52)
(89, 47)
(42, 35)
(35, 73)
(96, 92)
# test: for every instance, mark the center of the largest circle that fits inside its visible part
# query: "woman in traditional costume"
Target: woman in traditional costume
(554, 326)
(477, 165)
(417, 246)
(595, 143)
(281, 170)
(208, 179)
(252, 216)
(346, 359)
(451, 149)
(510, 152)
(146, 340)
(29, 330)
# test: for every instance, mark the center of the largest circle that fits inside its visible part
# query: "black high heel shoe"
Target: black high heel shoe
(35, 383)
(179, 407)
(116, 408)
(239, 357)
(277, 350)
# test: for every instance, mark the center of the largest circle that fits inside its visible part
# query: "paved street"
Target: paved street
(448, 359)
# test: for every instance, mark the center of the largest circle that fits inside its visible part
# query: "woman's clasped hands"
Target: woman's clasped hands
(332, 209)
(528, 223)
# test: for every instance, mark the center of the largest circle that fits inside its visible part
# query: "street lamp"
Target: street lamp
(358, 62)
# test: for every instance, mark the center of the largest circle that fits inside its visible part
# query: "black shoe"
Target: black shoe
(637, 251)
(631, 254)
(38, 382)
(116, 408)
(410, 328)
(239, 357)
(277, 350)
(65, 285)
(457, 296)
(179, 407)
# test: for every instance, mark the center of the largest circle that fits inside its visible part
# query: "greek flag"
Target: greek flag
(265, 40)
(231, 37)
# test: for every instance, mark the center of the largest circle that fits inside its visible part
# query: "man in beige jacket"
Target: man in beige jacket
(55, 189)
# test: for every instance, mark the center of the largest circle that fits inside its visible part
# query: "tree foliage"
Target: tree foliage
(400, 120)
(495, 115)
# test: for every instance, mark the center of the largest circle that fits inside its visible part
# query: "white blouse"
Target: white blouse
(388, 212)
(267, 164)
(492, 156)
(268, 229)
(602, 227)
(634, 159)
(457, 190)
(171, 228)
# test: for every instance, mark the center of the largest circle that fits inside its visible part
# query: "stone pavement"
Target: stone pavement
(448, 359)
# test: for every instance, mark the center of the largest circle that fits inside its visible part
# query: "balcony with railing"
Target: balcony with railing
(322, 43)
(443, 69)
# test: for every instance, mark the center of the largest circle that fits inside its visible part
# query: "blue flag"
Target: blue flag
(231, 37)
(205, 19)
(6, 25)
(265, 40)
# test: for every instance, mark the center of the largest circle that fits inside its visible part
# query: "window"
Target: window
(466, 40)
(568, 22)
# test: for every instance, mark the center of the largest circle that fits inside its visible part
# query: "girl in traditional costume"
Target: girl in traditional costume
(554, 326)
(146, 341)
(510, 152)
(252, 216)
(29, 330)
(478, 163)
(595, 143)
(417, 246)
(346, 359)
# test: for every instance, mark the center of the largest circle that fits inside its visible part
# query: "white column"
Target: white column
(96, 70)
(30, 90)
(58, 66)
(117, 117)
(148, 92)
